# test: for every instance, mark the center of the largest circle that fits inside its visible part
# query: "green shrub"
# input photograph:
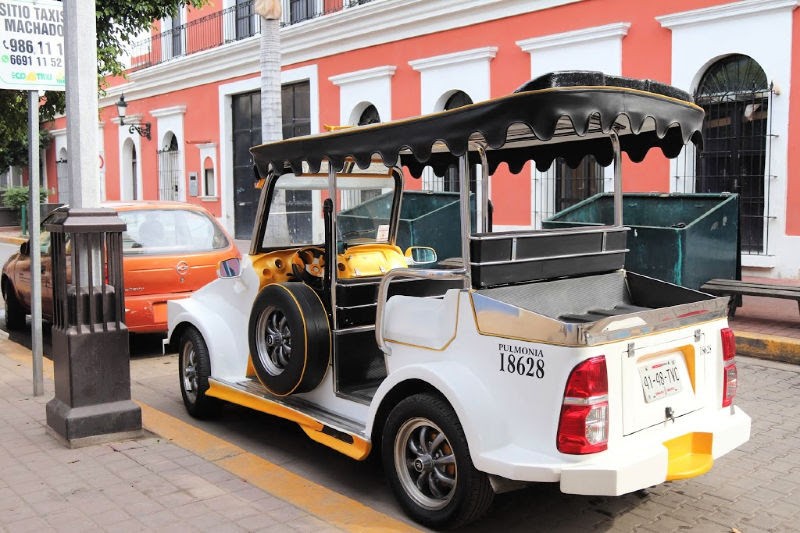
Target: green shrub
(16, 197)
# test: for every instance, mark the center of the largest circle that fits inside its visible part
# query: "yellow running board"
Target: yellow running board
(689, 455)
(351, 445)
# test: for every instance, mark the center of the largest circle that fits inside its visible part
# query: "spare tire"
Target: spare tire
(290, 339)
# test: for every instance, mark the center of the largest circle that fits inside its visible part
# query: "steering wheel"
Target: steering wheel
(308, 265)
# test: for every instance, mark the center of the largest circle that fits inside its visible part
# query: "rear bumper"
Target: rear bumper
(634, 462)
(148, 313)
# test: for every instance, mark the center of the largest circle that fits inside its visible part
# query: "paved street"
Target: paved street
(752, 489)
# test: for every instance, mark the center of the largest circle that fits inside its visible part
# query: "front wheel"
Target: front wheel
(195, 369)
(426, 457)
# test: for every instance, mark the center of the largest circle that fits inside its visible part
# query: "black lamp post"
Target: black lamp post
(142, 128)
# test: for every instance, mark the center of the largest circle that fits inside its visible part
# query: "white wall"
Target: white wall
(761, 29)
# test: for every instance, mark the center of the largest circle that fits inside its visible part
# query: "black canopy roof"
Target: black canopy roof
(563, 114)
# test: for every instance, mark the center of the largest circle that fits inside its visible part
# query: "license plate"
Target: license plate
(660, 379)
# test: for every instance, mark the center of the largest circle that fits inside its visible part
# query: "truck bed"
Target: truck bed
(595, 308)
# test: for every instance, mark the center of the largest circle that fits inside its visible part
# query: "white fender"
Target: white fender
(467, 393)
(221, 312)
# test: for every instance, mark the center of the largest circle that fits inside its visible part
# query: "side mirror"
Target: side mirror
(420, 255)
(25, 248)
(230, 268)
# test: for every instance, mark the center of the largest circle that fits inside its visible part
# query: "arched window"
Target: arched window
(209, 183)
(169, 171)
(735, 94)
(370, 115)
(457, 99)
(129, 186)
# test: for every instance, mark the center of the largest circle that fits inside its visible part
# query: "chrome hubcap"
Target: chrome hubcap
(425, 463)
(273, 340)
(189, 371)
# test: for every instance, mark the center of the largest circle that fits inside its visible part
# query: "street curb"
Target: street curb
(772, 347)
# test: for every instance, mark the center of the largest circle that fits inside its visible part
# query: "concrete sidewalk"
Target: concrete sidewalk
(176, 478)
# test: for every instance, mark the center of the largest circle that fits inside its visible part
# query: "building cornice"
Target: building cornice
(169, 111)
(618, 29)
(370, 24)
(363, 75)
(486, 53)
(745, 8)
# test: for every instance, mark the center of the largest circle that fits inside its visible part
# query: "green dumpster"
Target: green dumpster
(426, 219)
(685, 239)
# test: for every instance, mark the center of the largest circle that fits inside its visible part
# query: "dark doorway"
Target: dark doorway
(736, 96)
(246, 133)
(296, 111)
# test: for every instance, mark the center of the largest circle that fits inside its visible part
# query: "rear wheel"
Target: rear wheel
(426, 457)
(195, 369)
(15, 313)
(289, 338)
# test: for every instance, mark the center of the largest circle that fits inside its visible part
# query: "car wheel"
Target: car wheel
(426, 457)
(195, 368)
(15, 313)
(289, 338)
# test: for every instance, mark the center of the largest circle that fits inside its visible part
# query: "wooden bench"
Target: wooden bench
(738, 288)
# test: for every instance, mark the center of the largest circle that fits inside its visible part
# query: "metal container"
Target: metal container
(685, 239)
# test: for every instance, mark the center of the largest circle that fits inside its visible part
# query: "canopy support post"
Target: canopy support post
(617, 177)
(463, 178)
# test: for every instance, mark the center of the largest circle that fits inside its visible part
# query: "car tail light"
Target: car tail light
(730, 375)
(583, 425)
(728, 344)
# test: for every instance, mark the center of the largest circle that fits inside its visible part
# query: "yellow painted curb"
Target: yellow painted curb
(330, 506)
(772, 347)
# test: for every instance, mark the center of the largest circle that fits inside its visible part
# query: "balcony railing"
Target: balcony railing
(231, 24)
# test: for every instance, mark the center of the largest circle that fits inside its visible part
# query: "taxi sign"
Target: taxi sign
(32, 45)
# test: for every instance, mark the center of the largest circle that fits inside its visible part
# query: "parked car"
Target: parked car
(169, 250)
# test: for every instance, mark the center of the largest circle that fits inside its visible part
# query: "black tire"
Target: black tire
(195, 368)
(290, 340)
(427, 460)
(15, 313)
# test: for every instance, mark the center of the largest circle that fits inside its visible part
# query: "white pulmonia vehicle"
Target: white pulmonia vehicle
(473, 361)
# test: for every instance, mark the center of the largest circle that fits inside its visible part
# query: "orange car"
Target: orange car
(169, 250)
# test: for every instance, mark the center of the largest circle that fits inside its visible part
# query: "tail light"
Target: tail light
(583, 425)
(729, 373)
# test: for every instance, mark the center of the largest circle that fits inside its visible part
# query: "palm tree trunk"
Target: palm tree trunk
(271, 118)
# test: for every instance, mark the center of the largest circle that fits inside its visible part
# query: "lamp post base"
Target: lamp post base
(93, 424)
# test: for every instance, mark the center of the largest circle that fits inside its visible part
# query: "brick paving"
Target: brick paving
(147, 484)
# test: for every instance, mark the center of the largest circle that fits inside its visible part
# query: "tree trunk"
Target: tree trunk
(271, 118)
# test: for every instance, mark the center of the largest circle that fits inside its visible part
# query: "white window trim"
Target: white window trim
(208, 151)
(617, 29)
(726, 11)
(123, 134)
(362, 88)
